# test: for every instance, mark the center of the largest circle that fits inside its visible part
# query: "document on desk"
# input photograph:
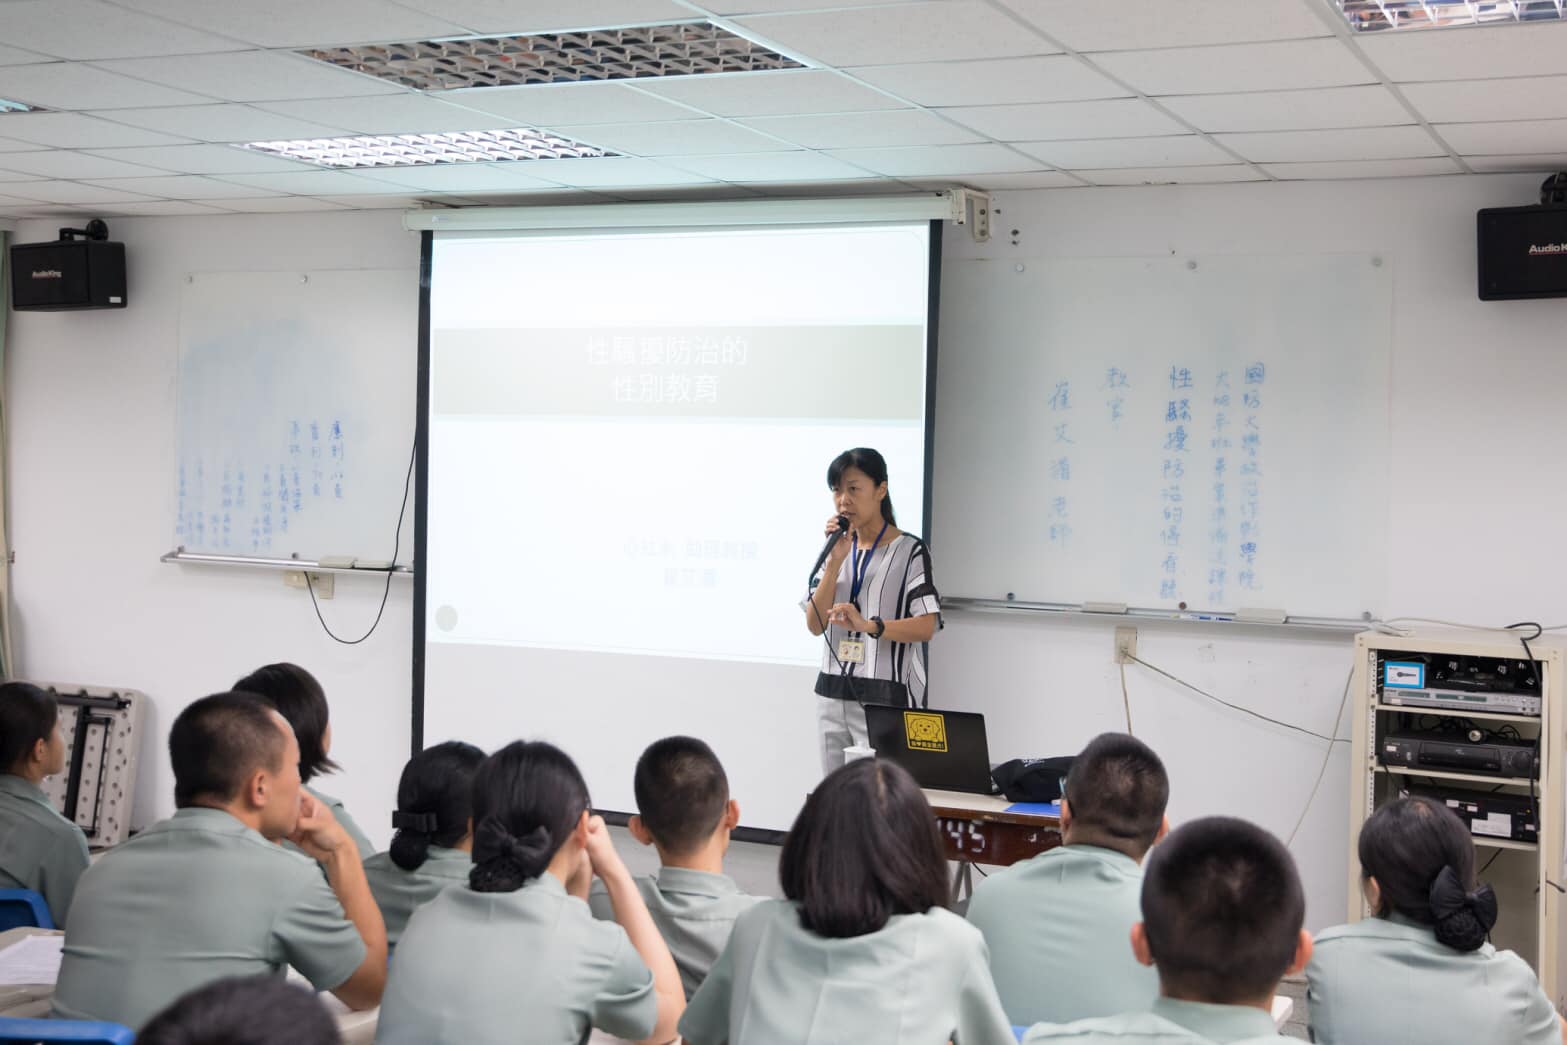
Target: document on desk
(35, 960)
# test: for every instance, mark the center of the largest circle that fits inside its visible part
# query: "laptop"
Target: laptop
(942, 750)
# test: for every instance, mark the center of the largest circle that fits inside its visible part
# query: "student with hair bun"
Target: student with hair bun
(433, 846)
(1421, 969)
(515, 955)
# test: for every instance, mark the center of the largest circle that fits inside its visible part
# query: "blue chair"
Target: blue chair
(19, 907)
(50, 1032)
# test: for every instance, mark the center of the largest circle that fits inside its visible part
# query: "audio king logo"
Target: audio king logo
(48, 274)
(1538, 250)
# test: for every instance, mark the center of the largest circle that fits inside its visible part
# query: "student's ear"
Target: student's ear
(580, 832)
(1164, 829)
(257, 790)
(731, 817)
(1066, 815)
(1140, 945)
(1302, 954)
(1372, 890)
(639, 830)
(40, 751)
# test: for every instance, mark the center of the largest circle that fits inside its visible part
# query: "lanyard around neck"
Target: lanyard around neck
(860, 569)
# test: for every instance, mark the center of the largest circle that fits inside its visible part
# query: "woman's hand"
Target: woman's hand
(840, 548)
(847, 615)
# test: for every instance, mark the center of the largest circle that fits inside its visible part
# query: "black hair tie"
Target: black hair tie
(495, 839)
(418, 823)
(1448, 898)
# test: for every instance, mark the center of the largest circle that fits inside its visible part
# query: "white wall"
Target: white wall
(90, 401)
(1478, 431)
(1477, 434)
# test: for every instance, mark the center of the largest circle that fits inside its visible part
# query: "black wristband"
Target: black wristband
(881, 627)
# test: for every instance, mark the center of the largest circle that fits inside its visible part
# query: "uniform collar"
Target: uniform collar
(1219, 1023)
(20, 787)
(212, 821)
(1120, 861)
(698, 883)
(453, 862)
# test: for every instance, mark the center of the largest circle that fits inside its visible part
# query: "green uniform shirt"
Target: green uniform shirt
(39, 849)
(1059, 929)
(361, 842)
(192, 899)
(1168, 1022)
(397, 892)
(922, 979)
(530, 967)
(1388, 980)
(694, 911)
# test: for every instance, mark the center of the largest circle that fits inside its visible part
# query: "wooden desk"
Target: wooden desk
(977, 829)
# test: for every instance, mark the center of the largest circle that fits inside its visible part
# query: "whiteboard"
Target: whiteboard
(1203, 431)
(295, 418)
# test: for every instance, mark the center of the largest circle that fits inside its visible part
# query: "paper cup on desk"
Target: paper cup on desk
(855, 751)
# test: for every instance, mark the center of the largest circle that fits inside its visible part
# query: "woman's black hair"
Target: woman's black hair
(864, 848)
(527, 799)
(296, 695)
(27, 715)
(434, 801)
(1406, 845)
(872, 464)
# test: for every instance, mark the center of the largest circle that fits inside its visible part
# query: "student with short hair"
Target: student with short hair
(515, 955)
(863, 949)
(296, 695)
(685, 812)
(1420, 970)
(209, 893)
(433, 846)
(39, 849)
(244, 1010)
(1222, 914)
(1057, 924)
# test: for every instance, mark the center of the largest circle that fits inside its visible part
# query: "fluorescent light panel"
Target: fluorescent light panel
(421, 150)
(6, 105)
(1377, 15)
(680, 49)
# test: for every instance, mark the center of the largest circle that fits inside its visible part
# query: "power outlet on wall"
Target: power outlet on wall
(321, 582)
(1125, 645)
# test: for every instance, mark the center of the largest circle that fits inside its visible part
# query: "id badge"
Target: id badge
(851, 651)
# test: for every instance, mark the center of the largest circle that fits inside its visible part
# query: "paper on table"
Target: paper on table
(35, 960)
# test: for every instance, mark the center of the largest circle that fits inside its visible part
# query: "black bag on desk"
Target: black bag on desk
(1032, 779)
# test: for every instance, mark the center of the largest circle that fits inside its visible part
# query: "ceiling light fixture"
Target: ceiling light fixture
(419, 150)
(6, 105)
(1376, 15)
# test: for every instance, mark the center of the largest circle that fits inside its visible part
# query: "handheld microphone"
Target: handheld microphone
(832, 539)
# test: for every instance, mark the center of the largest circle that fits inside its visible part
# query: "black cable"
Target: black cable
(397, 545)
(1488, 863)
(1237, 707)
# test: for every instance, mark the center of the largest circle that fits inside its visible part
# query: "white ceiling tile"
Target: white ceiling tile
(1476, 101)
(310, 183)
(937, 160)
(70, 85)
(179, 187)
(83, 30)
(1000, 182)
(1115, 118)
(63, 163)
(769, 167)
(69, 130)
(1124, 25)
(155, 209)
(551, 105)
(849, 130)
(223, 123)
(1001, 81)
(1548, 163)
(303, 23)
(784, 92)
(388, 114)
(751, 7)
(16, 56)
(1359, 143)
(1177, 151)
(68, 192)
(677, 138)
(1238, 67)
(252, 76)
(1321, 108)
(9, 175)
(1521, 136)
(613, 171)
(465, 177)
(1201, 175)
(1363, 169)
(509, 17)
(920, 32)
(204, 159)
(277, 204)
(1537, 49)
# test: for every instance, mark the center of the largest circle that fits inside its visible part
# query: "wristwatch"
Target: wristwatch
(881, 626)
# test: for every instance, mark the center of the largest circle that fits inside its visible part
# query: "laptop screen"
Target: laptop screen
(943, 750)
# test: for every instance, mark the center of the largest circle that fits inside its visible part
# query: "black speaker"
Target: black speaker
(1522, 252)
(67, 274)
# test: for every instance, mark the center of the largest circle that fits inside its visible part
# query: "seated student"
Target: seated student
(515, 955)
(39, 849)
(1057, 924)
(244, 1010)
(208, 893)
(864, 949)
(296, 695)
(1222, 915)
(433, 847)
(685, 812)
(1421, 971)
